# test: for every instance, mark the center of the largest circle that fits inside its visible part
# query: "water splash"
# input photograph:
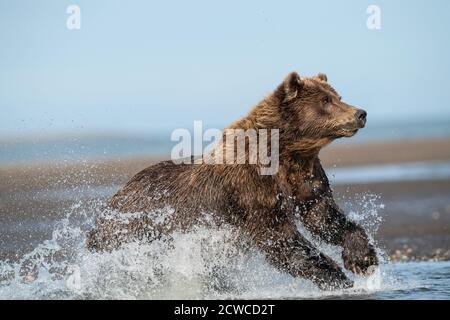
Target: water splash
(204, 263)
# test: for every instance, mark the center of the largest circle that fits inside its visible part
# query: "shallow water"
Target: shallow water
(416, 280)
(79, 146)
(391, 172)
(204, 263)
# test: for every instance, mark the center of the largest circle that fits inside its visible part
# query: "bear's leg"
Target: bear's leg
(300, 259)
(288, 250)
(324, 219)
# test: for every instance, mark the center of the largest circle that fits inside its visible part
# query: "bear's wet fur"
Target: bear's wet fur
(264, 209)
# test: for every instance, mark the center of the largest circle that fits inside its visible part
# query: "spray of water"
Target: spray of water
(204, 263)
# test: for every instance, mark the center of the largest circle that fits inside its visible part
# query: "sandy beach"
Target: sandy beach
(415, 214)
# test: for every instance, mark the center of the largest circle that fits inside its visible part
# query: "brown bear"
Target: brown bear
(264, 209)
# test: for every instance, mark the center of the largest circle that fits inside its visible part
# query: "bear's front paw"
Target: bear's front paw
(358, 254)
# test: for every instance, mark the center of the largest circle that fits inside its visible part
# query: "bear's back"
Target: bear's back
(187, 188)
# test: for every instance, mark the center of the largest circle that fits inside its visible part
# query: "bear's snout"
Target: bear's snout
(361, 117)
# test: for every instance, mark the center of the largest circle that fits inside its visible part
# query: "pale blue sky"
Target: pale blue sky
(149, 65)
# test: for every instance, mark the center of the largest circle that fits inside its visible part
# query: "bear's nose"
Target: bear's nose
(361, 116)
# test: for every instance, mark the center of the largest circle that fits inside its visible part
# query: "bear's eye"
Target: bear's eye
(326, 100)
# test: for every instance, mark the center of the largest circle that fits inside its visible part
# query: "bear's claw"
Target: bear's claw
(358, 254)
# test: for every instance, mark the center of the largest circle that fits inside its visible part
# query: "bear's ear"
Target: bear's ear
(322, 77)
(291, 86)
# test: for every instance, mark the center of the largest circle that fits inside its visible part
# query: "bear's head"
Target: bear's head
(311, 109)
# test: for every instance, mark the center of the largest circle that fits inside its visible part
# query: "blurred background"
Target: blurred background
(82, 110)
(139, 69)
